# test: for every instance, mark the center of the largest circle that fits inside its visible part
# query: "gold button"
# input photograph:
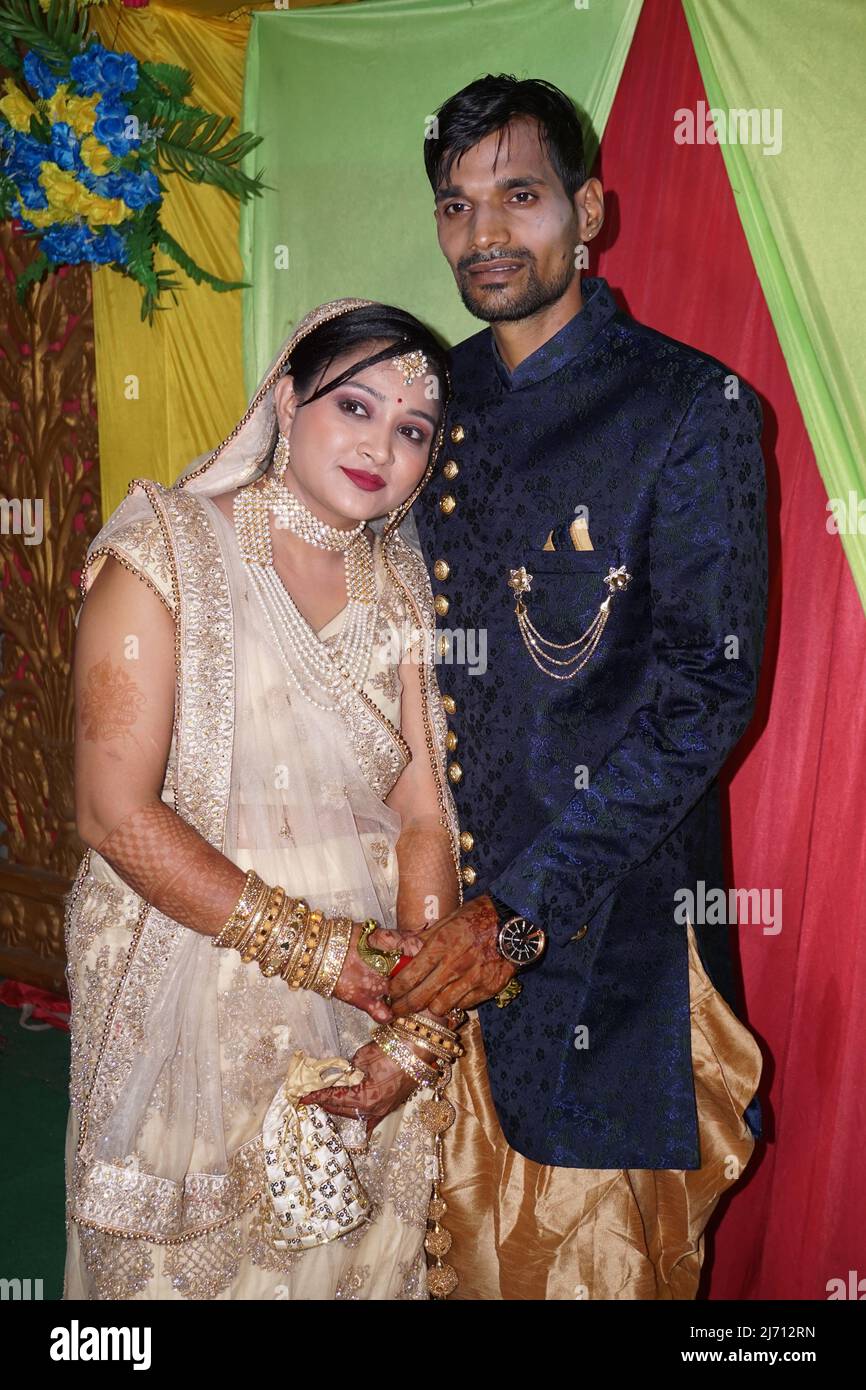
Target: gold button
(447, 503)
(467, 841)
(441, 569)
(442, 644)
(450, 740)
(579, 935)
(441, 604)
(455, 772)
(468, 874)
(451, 469)
(450, 704)
(458, 434)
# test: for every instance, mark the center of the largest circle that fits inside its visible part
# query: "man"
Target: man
(600, 513)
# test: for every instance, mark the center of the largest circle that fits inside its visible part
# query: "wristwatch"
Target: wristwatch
(520, 941)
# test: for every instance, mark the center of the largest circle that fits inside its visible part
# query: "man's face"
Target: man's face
(508, 229)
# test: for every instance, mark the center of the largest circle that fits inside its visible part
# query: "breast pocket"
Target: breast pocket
(563, 603)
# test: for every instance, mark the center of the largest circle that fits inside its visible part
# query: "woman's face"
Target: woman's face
(360, 450)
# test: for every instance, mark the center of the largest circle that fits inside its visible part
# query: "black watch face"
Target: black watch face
(521, 942)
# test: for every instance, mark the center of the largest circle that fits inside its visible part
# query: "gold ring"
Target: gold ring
(382, 962)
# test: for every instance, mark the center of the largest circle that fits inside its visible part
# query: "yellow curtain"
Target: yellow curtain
(166, 393)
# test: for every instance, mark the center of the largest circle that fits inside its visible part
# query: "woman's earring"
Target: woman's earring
(281, 457)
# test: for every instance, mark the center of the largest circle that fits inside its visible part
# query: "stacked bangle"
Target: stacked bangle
(324, 980)
(286, 938)
(231, 932)
(440, 1041)
(388, 1039)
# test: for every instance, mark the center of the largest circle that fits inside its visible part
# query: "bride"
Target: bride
(260, 752)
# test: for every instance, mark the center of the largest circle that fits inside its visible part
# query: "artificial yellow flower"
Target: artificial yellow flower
(45, 217)
(79, 112)
(70, 199)
(95, 155)
(17, 106)
(107, 212)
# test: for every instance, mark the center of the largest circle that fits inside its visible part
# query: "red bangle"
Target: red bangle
(404, 960)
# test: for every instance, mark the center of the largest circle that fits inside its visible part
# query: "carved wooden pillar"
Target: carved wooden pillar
(49, 511)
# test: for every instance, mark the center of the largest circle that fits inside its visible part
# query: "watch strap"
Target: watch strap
(505, 912)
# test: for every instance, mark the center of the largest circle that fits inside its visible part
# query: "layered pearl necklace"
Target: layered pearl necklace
(350, 658)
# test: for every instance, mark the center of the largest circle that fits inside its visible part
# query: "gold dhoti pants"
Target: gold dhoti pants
(522, 1230)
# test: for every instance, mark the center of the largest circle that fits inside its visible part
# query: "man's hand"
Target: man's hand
(386, 1086)
(459, 964)
(364, 987)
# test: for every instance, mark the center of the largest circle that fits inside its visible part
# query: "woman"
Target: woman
(259, 766)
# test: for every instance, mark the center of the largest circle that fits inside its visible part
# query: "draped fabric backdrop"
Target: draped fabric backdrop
(167, 392)
(678, 256)
(342, 97)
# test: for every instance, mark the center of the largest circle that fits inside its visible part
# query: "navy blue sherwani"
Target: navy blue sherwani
(589, 802)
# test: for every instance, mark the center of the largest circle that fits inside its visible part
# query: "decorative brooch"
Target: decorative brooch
(581, 649)
(411, 364)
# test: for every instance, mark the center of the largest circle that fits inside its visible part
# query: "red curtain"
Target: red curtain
(674, 253)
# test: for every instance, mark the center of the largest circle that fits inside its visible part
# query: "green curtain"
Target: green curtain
(341, 96)
(803, 208)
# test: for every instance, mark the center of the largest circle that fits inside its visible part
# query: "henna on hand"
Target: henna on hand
(459, 965)
(385, 1087)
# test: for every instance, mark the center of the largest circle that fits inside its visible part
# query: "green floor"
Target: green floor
(34, 1100)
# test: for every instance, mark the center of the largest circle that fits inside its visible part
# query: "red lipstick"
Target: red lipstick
(369, 482)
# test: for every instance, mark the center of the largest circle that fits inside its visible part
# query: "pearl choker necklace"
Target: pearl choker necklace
(289, 512)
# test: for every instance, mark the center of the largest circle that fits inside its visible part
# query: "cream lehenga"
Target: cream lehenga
(178, 1049)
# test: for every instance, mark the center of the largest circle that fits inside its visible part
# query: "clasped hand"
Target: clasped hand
(456, 965)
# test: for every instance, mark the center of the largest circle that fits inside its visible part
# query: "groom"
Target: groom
(600, 512)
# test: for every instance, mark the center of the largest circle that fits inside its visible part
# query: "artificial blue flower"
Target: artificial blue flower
(98, 69)
(39, 75)
(111, 127)
(137, 190)
(66, 243)
(25, 157)
(108, 246)
(65, 148)
(32, 193)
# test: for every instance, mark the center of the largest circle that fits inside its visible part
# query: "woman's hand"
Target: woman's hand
(364, 987)
(386, 1087)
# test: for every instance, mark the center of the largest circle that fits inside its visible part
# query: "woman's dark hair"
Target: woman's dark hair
(382, 323)
(487, 105)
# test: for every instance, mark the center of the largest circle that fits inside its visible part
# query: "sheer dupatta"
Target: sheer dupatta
(170, 1098)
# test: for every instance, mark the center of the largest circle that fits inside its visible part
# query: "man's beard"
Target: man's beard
(536, 295)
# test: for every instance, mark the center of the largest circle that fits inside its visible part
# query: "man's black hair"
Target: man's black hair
(487, 105)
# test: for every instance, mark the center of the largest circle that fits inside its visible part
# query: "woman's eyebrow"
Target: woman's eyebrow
(362, 386)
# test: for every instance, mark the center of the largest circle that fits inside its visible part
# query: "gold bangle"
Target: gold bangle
(339, 936)
(441, 1047)
(389, 1041)
(284, 938)
(240, 913)
(298, 977)
(259, 935)
(433, 1026)
(295, 942)
(318, 955)
(248, 929)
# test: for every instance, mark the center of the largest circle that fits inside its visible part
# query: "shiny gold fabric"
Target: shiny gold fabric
(524, 1231)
